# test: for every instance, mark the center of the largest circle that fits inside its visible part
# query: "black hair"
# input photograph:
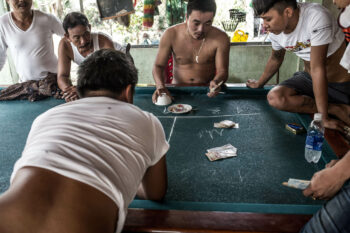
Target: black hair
(201, 5)
(263, 6)
(106, 69)
(74, 19)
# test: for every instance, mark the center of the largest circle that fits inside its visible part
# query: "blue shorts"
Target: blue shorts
(301, 82)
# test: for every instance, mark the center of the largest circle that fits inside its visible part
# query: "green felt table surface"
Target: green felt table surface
(268, 154)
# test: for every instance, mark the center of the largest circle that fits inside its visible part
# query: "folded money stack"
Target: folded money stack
(226, 124)
(221, 152)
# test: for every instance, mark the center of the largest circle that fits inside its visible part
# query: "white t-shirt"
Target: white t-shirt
(32, 50)
(100, 141)
(344, 21)
(344, 17)
(316, 26)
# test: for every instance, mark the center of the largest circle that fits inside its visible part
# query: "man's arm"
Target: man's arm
(320, 84)
(272, 66)
(155, 182)
(63, 74)
(164, 52)
(327, 182)
(221, 65)
(105, 42)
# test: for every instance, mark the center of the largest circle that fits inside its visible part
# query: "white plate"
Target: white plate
(179, 108)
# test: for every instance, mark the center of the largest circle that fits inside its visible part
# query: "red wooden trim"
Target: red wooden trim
(141, 220)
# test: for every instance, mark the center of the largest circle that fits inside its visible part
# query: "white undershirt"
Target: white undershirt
(32, 50)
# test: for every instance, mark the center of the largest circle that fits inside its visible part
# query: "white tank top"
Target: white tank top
(77, 57)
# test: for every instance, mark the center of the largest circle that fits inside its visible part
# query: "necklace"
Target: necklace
(200, 48)
(199, 51)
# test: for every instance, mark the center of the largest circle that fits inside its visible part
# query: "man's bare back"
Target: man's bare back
(42, 207)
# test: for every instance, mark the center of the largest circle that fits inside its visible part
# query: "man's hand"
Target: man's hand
(158, 92)
(214, 88)
(325, 184)
(70, 94)
(252, 83)
(333, 124)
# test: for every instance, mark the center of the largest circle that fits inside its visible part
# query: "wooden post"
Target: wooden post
(81, 6)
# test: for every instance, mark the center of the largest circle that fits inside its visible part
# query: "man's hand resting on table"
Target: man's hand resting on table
(70, 94)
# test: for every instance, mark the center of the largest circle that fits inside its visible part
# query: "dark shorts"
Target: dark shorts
(334, 216)
(301, 82)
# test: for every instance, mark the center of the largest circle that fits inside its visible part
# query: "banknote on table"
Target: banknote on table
(296, 183)
(221, 152)
(226, 124)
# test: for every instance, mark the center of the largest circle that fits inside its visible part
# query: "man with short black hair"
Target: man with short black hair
(310, 31)
(200, 51)
(85, 161)
(78, 43)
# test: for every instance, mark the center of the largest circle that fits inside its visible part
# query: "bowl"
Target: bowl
(163, 100)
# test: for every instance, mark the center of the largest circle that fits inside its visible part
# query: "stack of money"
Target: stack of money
(296, 183)
(347, 130)
(221, 152)
(226, 124)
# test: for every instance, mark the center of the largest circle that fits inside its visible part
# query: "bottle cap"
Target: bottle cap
(318, 116)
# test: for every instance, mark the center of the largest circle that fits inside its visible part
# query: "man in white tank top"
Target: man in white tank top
(78, 43)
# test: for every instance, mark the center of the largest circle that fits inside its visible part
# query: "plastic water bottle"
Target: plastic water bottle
(314, 139)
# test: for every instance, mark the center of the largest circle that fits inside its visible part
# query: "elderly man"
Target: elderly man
(78, 43)
(28, 34)
(200, 51)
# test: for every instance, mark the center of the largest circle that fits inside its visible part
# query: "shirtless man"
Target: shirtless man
(77, 44)
(85, 161)
(308, 30)
(200, 51)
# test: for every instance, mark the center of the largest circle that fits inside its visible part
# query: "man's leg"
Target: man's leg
(334, 216)
(296, 95)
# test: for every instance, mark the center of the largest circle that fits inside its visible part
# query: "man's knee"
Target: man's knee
(276, 99)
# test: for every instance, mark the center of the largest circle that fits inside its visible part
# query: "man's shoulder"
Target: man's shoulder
(102, 36)
(178, 28)
(216, 34)
(310, 10)
(4, 18)
(43, 15)
(65, 48)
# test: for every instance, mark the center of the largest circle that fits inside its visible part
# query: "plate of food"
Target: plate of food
(179, 108)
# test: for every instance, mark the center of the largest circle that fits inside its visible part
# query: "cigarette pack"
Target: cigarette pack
(295, 128)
